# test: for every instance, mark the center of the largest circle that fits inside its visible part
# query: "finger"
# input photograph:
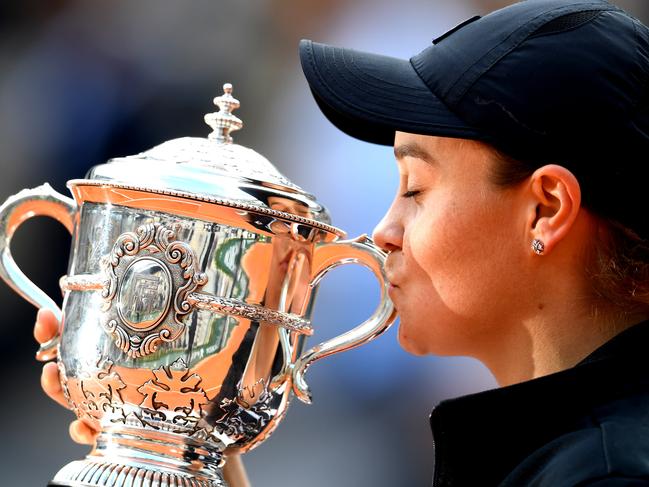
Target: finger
(234, 472)
(46, 327)
(82, 433)
(51, 384)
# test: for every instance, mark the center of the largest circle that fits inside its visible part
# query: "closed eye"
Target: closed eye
(410, 194)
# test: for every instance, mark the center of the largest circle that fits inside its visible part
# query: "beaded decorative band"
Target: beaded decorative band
(204, 301)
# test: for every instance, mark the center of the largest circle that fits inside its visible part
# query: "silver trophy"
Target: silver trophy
(187, 302)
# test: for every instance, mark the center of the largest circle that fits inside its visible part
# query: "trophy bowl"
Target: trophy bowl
(187, 301)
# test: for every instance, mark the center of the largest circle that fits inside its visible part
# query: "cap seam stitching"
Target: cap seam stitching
(603, 439)
(464, 89)
(351, 68)
(641, 99)
(368, 75)
(365, 112)
(572, 27)
(354, 72)
(441, 99)
(358, 109)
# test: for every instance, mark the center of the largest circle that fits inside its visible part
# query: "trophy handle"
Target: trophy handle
(40, 201)
(327, 256)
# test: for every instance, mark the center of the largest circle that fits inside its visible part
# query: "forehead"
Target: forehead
(442, 151)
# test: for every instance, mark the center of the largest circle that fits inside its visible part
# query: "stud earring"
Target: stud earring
(537, 246)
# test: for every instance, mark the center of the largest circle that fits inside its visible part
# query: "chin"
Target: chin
(413, 341)
(409, 342)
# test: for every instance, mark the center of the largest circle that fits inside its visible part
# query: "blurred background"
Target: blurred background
(82, 81)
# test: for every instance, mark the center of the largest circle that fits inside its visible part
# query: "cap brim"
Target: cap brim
(370, 96)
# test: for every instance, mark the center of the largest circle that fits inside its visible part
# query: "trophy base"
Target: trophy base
(88, 473)
(92, 473)
(133, 457)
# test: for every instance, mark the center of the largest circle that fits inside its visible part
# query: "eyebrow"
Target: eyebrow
(413, 150)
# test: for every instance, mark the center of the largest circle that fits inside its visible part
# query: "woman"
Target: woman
(518, 235)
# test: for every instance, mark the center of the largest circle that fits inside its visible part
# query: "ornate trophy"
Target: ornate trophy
(190, 286)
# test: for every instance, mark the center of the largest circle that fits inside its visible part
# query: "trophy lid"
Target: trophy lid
(214, 169)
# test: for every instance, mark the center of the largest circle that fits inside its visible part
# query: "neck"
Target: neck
(550, 341)
(558, 319)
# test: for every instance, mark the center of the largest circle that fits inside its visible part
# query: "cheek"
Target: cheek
(440, 235)
(419, 310)
(464, 249)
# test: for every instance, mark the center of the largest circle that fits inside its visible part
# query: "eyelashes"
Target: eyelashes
(410, 194)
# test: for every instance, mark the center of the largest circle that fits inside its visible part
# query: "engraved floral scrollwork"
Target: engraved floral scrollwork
(172, 399)
(173, 395)
(241, 421)
(95, 395)
(142, 272)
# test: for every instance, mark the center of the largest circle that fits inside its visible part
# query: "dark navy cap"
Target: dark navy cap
(544, 81)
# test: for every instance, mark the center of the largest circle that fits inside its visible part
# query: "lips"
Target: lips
(390, 274)
(393, 281)
(393, 292)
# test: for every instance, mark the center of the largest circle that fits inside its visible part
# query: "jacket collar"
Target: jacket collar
(481, 437)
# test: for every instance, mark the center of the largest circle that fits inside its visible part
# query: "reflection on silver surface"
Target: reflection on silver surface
(28, 203)
(185, 313)
(144, 294)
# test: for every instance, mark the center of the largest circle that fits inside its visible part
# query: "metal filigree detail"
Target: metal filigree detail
(205, 302)
(174, 396)
(172, 401)
(252, 312)
(242, 421)
(142, 271)
(82, 282)
(108, 474)
(96, 393)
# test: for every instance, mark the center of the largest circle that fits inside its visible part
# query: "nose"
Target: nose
(388, 234)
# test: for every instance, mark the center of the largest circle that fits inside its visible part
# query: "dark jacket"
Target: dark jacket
(585, 426)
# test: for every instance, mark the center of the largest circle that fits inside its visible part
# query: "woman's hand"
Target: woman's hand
(234, 472)
(45, 329)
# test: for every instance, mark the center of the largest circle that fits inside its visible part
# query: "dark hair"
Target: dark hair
(618, 260)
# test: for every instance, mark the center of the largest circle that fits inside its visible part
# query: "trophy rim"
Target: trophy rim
(219, 201)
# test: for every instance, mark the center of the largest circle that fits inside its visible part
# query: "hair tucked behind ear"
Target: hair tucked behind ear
(618, 261)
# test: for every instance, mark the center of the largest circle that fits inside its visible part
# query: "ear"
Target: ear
(556, 197)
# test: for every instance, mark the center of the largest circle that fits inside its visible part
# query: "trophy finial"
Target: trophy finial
(223, 122)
